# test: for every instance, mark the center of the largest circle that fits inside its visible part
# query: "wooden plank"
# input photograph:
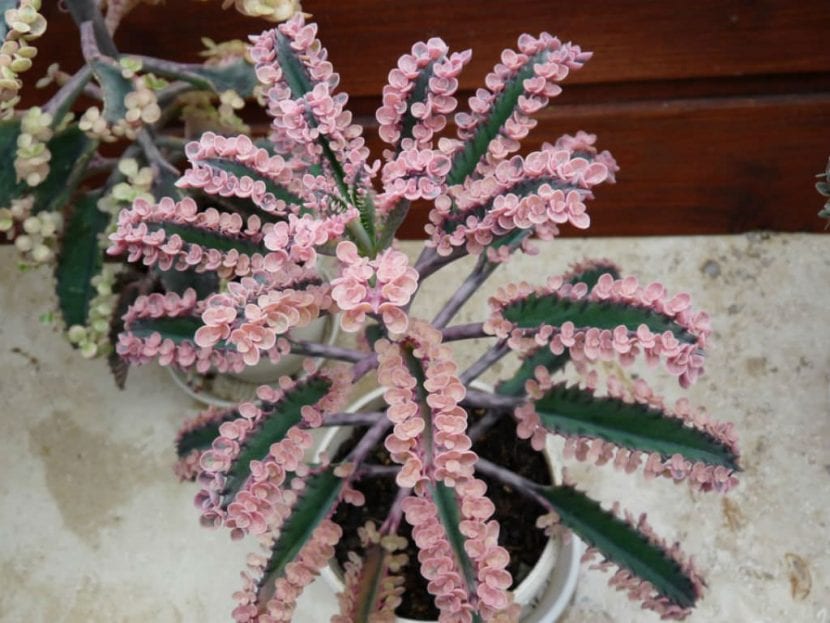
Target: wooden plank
(632, 39)
(701, 166)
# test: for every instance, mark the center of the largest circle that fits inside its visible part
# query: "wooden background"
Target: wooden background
(718, 111)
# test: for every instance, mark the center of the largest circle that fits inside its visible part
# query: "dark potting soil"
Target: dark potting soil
(514, 512)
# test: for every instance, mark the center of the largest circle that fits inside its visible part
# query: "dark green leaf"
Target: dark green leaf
(71, 152)
(202, 437)
(551, 309)
(449, 514)
(592, 271)
(208, 238)
(572, 411)
(10, 188)
(515, 386)
(240, 170)
(237, 76)
(465, 161)
(80, 260)
(204, 283)
(277, 420)
(621, 543)
(319, 500)
(114, 88)
(180, 329)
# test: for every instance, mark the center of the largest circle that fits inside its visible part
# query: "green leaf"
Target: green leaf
(114, 88)
(417, 94)
(319, 500)
(80, 260)
(515, 386)
(202, 437)
(299, 82)
(551, 309)
(591, 272)
(204, 283)
(621, 543)
(237, 76)
(392, 223)
(10, 188)
(278, 418)
(372, 574)
(71, 152)
(465, 161)
(209, 238)
(572, 411)
(449, 514)
(179, 329)
(240, 170)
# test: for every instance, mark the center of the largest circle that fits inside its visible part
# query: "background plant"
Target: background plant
(74, 171)
(312, 190)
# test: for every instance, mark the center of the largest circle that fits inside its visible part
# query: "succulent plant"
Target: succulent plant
(226, 262)
(310, 189)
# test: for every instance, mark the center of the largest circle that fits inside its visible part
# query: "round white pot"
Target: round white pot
(548, 588)
(229, 389)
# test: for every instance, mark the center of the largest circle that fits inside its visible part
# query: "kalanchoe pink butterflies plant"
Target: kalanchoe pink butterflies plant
(311, 190)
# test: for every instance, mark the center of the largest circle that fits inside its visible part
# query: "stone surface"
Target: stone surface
(94, 527)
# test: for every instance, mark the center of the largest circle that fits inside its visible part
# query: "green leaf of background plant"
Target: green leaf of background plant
(572, 411)
(10, 188)
(621, 543)
(71, 152)
(114, 88)
(80, 260)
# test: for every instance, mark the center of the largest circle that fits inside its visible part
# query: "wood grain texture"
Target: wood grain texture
(718, 110)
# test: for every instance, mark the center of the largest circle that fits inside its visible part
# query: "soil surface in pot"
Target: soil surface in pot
(515, 513)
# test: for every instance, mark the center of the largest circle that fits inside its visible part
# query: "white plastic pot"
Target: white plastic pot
(548, 588)
(228, 389)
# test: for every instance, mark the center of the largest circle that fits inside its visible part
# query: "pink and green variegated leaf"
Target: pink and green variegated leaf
(246, 471)
(373, 586)
(515, 198)
(301, 544)
(617, 318)
(235, 168)
(649, 570)
(519, 86)
(429, 440)
(679, 443)
(589, 272)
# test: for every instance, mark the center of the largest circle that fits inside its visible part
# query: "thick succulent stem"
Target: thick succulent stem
(62, 101)
(469, 331)
(490, 357)
(473, 282)
(524, 486)
(369, 440)
(485, 400)
(363, 418)
(363, 366)
(315, 349)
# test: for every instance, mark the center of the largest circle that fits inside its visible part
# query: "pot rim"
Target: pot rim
(552, 580)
